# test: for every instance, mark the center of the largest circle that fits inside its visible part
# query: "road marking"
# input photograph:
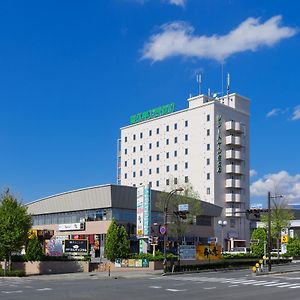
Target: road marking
(210, 288)
(287, 285)
(44, 289)
(174, 290)
(12, 292)
(295, 287)
(234, 285)
(154, 287)
(275, 284)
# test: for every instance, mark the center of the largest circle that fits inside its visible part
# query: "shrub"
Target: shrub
(12, 273)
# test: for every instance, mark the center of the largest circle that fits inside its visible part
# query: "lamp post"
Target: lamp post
(269, 228)
(222, 224)
(166, 204)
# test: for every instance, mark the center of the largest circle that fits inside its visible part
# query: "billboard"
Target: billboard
(143, 211)
(76, 247)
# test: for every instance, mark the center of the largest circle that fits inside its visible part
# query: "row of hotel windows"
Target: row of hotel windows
(186, 124)
(157, 145)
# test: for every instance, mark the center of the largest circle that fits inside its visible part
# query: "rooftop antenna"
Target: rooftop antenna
(199, 80)
(228, 84)
(222, 74)
(208, 92)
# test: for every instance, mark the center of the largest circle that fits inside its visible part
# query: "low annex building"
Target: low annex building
(87, 213)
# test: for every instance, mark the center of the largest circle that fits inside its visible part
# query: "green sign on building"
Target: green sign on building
(152, 113)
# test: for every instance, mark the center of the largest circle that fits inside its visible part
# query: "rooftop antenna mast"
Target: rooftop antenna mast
(199, 81)
(222, 74)
(228, 84)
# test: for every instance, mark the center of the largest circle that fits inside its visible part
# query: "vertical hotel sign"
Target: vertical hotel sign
(219, 144)
(143, 211)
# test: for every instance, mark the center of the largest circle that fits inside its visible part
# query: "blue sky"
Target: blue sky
(72, 72)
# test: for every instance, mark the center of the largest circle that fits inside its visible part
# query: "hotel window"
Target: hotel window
(208, 191)
(167, 182)
(175, 140)
(175, 153)
(208, 161)
(125, 175)
(186, 165)
(186, 137)
(125, 163)
(141, 160)
(133, 161)
(186, 179)
(150, 158)
(133, 149)
(150, 146)
(186, 123)
(134, 137)
(157, 183)
(125, 151)
(208, 147)
(157, 156)
(157, 130)
(208, 176)
(150, 184)
(175, 126)
(167, 155)
(167, 128)
(186, 151)
(150, 132)
(125, 139)
(167, 141)
(232, 223)
(167, 168)
(150, 171)
(141, 173)
(141, 135)
(141, 147)
(208, 118)
(157, 170)
(133, 174)
(207, 132)
(175, 180)
(175, 167)
(157, 144)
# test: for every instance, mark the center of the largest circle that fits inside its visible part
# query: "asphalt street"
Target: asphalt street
(206, 285)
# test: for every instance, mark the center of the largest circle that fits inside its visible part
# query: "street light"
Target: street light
(222, 224)
(166, 204)
(269, 228)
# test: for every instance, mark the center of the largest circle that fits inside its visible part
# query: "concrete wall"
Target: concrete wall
(51, 267)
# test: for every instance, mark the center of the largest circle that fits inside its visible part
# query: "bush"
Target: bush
(12, 273)
(239, 256)
(34, 250)
(159, 256)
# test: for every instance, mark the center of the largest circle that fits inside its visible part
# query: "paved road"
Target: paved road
(210, 285)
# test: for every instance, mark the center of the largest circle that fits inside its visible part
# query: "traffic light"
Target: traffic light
(150, 240)
(155, 240)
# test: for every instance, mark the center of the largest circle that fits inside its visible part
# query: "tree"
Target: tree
(293, 246)
(116, 243)
(259, 234)
(34, 251)
(178, 223)
(15, 223)
(280, 219)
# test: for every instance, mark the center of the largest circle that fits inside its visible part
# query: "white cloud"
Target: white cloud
(296, 113)
(274, 112)
(178, 38)
(177, 2)
(280, 183)
(253, 173)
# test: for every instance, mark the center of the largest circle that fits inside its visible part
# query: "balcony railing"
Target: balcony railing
(233, 140)
(234, 126)
(233, 183)
(234, 154)
(234, 169)
(233, 197)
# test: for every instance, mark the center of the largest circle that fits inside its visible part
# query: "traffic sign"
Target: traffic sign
(284, 238)
(163, 230)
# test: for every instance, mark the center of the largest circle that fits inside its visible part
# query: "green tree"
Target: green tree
(178, 223)
(116, 243)
(280, 219)
(15, 223)
(293, 246)
(259, 234)
(34, 250)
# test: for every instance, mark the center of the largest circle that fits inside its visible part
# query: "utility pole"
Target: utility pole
(269, 233)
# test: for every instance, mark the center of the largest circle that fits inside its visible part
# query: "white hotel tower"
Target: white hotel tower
(206, 144)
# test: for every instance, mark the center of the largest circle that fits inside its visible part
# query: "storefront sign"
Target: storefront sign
(152, 113)
(71, 226)
(54, 247)
(211, 252)
(187, 252)
(76, 247)
(219, 144)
